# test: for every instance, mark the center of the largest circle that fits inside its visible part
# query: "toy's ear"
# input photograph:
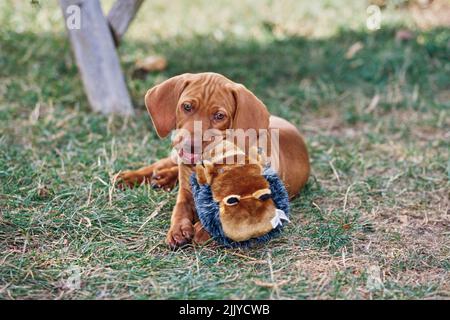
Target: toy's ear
(250, 112)
(204, 172)
(161, 102)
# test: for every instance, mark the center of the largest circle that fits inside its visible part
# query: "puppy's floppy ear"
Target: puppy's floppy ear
(161, 102)
(250, 111)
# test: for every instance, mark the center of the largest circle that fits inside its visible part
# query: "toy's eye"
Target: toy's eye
(232, 200)
(264, 197)
(187, 106)
(263, 194)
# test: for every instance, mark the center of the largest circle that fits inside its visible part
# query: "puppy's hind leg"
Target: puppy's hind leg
(165, 178)
(161, 174)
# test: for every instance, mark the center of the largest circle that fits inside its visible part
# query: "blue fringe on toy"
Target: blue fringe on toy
(208, 210)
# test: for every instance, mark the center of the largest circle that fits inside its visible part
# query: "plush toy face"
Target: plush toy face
(246, 207)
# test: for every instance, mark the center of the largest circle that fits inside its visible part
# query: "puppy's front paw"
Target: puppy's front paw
(180, 234)
(200, 234)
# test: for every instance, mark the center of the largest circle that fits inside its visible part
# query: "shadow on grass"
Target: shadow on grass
(295, 76)
(289, 72)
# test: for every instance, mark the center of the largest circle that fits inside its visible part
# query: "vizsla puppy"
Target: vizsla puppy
(217, 104)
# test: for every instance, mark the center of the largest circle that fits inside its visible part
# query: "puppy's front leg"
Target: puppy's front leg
(181, 227)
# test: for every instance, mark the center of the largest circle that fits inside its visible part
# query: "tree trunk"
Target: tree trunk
(120, 16)
(96, 57)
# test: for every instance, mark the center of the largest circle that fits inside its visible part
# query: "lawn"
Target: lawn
(372, 223)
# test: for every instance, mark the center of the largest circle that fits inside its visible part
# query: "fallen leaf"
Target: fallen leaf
(373, 103)
(43, 191)
(403, 219)
(151, 63)
(354, 48)
(87, 221)
(264, 284)
(403, 35)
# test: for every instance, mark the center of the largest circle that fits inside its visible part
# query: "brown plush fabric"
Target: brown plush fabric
(251, 217)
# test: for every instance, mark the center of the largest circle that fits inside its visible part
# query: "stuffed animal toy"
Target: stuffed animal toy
(240, 205)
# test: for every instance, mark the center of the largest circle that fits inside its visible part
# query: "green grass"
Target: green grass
(378, 194)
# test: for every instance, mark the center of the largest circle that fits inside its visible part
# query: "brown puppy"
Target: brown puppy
(217, 103)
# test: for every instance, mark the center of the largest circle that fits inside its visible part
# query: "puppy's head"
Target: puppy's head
(195, 103)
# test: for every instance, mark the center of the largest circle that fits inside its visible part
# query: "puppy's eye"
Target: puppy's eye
(218, 116)
(187, 106)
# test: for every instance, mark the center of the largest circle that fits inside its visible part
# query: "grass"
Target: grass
(377, 199)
